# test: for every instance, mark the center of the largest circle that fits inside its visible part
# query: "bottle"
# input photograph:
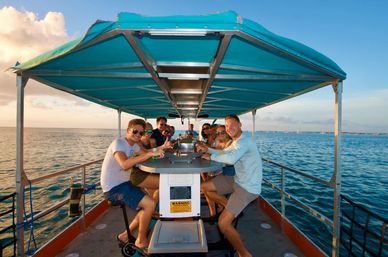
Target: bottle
(154, 157)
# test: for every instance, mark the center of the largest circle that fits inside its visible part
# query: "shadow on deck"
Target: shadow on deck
(100, 238)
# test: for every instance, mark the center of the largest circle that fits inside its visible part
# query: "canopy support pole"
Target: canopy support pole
(119, 123)
(20, 175)
(253, 123)
(336, 179)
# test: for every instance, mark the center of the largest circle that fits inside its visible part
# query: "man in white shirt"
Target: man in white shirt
(244, 186)
(121, 156)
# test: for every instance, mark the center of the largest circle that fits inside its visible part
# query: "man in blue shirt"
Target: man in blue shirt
(244, 186)
(191, 132)
(161, 123)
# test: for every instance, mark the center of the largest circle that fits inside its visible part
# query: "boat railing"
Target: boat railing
(363, 233)
(63, 202)
(7, 211)
(284, 193)
(351, 241)
(53, 207)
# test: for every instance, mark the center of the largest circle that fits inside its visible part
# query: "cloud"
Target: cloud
(23, 36)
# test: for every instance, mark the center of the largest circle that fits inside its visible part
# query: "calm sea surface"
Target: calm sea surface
(364, 171)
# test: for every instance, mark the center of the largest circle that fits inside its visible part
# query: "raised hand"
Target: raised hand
(167, 144)
(201, 148)
(206, 156)
(156, 152)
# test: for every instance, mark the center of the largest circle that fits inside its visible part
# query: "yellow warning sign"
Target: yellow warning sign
(180, 206)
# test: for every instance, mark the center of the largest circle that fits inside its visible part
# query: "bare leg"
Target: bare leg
(226, 227)
(148, 206)
(132, 227)
(211, 196)
(151, 186)
(220, 199)
(204, 176)
(211, 204)
(150, 182)
(135, 223)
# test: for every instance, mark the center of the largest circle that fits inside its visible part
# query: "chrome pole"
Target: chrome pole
(282, 198)
(20, 84)
(253, 123)
(119, 120)
(337, 169)
(84, 198)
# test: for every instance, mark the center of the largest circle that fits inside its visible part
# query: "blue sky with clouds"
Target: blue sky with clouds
(351, 32)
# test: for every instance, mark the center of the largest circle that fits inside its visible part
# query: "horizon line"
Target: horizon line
(286, 131)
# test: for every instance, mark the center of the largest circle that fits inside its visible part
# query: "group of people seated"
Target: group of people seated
(121, 180)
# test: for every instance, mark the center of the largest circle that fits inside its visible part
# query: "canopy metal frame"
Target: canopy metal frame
(152, 66)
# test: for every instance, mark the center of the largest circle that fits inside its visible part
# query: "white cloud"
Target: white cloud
(23, 36)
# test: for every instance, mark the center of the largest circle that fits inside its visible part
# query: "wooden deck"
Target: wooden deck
(100, 238)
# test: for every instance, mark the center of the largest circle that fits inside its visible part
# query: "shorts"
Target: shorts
(127, 192)
(137, 176)
(239, 197)
(223, 184)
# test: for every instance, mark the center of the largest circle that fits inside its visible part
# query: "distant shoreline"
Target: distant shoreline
(265, 131)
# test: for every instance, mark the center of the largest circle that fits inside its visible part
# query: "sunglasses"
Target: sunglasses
(148, 131)
(167, 131)
(221, 133)
(135, 131)
(205, 128)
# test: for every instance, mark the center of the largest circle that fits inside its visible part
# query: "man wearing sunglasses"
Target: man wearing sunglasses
(121, 156)
(161, 123)
(244, 186)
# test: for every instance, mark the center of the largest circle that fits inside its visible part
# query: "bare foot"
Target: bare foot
(123, 237)
(141, 244)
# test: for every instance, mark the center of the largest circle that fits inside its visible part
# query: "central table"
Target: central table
(180, 182)
(179, 197)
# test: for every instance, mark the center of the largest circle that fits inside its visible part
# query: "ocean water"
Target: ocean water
(364, 171)
(364, 175)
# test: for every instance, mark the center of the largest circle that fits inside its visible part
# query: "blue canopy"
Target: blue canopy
(190, 66)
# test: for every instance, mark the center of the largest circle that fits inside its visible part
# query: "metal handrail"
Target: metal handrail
(284, 194)
(34, 180)
(373, 242)
(311, 210)
(359, 206)
(323, 182)
(59, 204)
(51, 209)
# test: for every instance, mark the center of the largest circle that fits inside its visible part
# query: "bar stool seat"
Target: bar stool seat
(123, 207)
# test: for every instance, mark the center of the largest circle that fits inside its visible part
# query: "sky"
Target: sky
(353, 33)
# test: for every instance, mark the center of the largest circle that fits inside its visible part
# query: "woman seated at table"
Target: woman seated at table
(224, 140)
(146, 141)
(121, 156)
(205, 127)
(148, 181)
(138, 176)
